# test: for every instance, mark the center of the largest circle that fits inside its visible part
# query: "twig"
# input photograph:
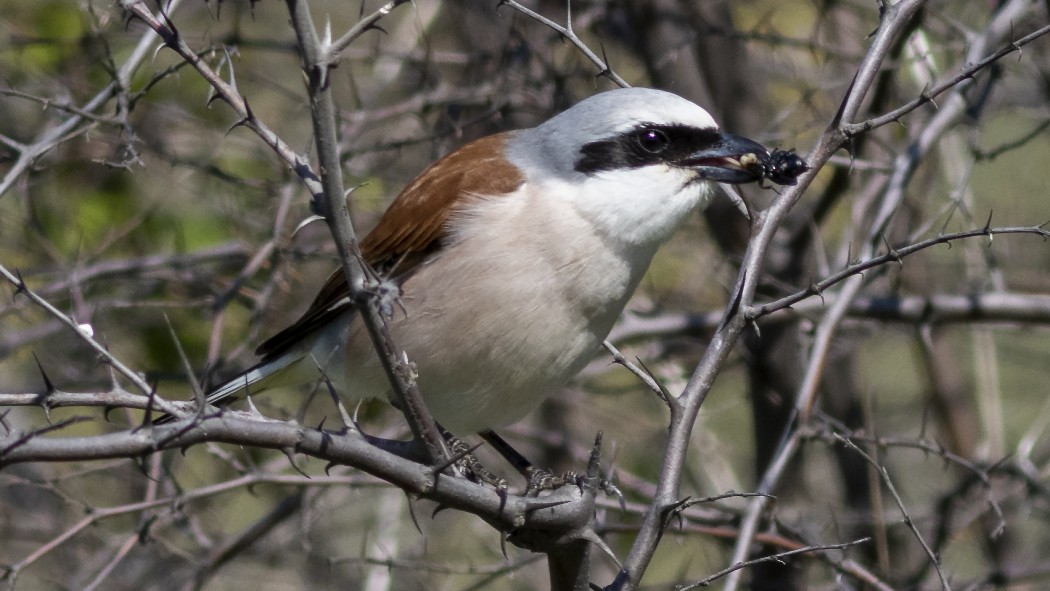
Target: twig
(893, 255)
(778, 557)
(226, 91)
(87, 338)
(643, 374)
(884, 475)
(567, 32)
(967, 73)
(69, 128)
(364, 25)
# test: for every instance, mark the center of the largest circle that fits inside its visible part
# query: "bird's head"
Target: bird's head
(635, 161)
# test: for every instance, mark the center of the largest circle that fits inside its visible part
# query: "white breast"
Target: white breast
(504, 317)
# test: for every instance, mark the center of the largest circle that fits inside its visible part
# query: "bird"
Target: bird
(513, 257)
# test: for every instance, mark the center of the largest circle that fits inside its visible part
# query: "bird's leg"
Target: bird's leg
(539, 479)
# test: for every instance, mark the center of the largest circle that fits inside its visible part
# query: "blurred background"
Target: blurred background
(146, 206)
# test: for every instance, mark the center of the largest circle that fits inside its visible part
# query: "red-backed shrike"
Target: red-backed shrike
(515, 255)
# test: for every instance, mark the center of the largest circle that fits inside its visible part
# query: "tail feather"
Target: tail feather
(273, 373)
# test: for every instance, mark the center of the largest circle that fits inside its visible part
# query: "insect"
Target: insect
(782, 167)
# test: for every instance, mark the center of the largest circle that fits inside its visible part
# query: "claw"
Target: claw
(607, 487)
(541, 479)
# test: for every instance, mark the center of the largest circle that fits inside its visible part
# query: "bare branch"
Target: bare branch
(966, 74)
(894, 255)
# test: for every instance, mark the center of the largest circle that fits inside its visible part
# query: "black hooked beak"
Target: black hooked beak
(731, 159)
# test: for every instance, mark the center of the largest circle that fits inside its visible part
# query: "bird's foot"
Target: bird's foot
(541, 479)
(471, 467)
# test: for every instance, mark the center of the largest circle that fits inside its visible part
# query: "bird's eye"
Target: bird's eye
(653, 141)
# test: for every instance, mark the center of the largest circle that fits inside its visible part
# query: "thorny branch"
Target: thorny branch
(893, 255)
(227, 91)
(86, 335)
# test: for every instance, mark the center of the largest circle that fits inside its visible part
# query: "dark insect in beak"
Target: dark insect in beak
(782, 167)
(736, 159)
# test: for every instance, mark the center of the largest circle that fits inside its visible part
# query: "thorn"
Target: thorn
(1013, 42)
(247, 399)
(49, 388)
(128, 17)
(288, 453)
(412, 513)
(247, 108)
(328, 468)
(754, 325)
(242, 122)
(144, 527)
(212, 97)
(540, 505)
(172, 30)
(595, 539)
(157, 50)
(503, 537)
(306, 222)
(664, 394)
(814, 289)
(925, 97)
(20, 287)
(354, 188)
(892, 252)
(249, 116)
(675, 511)
(147, 418)
(605, 72)
(326, 41)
